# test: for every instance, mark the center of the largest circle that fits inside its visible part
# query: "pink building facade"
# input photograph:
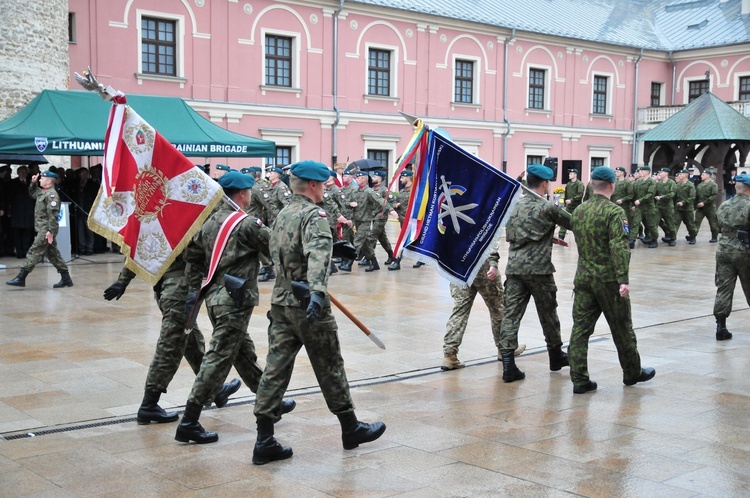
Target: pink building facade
(326, 82)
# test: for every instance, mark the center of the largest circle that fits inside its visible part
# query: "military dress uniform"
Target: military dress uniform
(684, 202)
(601, 231)
(665, 190)
(574, 193)
(732, 256)
(706, 193)
(644, 190)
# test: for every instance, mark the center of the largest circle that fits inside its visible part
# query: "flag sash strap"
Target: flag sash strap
(112, 148)
(221, 242)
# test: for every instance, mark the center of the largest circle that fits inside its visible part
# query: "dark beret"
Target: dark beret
(311, 170)
(620, 168)
(379, 173)
(407, 172)
(223, 167)
(48, 174)
(603, 173)
(274, 169)
(540, 171)
(234, 180)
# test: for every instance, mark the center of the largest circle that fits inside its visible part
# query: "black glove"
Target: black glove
(115, 291)
(190, 299)
(344, 250)
(315, 306)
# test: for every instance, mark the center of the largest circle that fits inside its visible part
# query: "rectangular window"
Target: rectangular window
(536, 88)
(283, 157)
(464, 86)
(278, 61)
(696, 89)
(380, 156)
(655, 94)
(71, 27)
(379, 73)
(533, 160)
(158, 46)
(744, 93)
(600, 95)
(598, 161)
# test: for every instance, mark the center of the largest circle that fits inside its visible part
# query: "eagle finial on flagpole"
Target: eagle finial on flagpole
(89, 82)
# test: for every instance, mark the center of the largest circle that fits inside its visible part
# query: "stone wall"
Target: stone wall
(33, 51)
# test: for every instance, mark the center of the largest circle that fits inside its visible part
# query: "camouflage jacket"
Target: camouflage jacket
(346, 196)
(574, 193)
(46, 209)
(278, 196)
(623, 191)
(644, 190)
(369, 205)
(301, 244)
(402, 199)
(529, 231)
(733, 215)
(258, 207)
(684, 193)
(240, 257)
(706, 192)
(601, 230)
(665, 191)
(383, 191)
(331, 205)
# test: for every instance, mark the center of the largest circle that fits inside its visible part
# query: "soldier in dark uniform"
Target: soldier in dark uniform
(573, 196)
(229, 310)
(684, 202)
(601, 285)
(378, 228)
(46, 212)
(733, 254)
(705, 203)
(369, 208)
(644, 209)
(664, 199)
(276, 195)
(301, 246)
(346, 194)
(401, 203)
(21, 210)
(623, 195)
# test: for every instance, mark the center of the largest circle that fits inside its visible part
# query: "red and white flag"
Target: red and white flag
(152, 199)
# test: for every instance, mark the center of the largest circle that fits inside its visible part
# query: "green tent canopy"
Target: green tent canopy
(73, 123)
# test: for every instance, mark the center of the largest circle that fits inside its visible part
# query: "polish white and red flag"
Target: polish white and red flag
(152, 199)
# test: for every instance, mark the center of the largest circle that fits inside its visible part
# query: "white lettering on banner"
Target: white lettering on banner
(231, 149)
(191, 147)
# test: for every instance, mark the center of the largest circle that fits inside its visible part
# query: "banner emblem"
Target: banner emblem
(41, 143)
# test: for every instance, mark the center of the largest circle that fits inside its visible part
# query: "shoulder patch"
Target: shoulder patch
(259, 222)
(322, 214)
(52, 196)
(265, 195)
(626, 227)
(53, 204)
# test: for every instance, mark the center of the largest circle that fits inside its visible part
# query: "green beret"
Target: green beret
(685, 171)
(48, 174)
(603, 173)
(274, 169)
(246, 171)
(379, 173)
(234, 180)
(311, 170)
(644, 168)
(743, 178)
(223, 167)
(620, 168)
(407, 172)
(540, 171)
(573, 170)
(666, 170)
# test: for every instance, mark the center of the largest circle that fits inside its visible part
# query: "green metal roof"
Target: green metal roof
(706, 118)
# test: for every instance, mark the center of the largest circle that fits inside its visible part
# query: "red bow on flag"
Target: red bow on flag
(153, 199)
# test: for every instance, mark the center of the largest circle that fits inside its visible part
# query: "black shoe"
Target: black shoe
(511, 372)
(269, 275)
(632, 244)
(666, 239)
(191, 430)
(723, 335)
(287, 405)
(672, 243)
(19, 280)
(336, 260)
(417, 264)
(390, 260)
(346, 265)
(354, 432)
(713, 240)
(267, 449)
(557, 359)
(590, 386)
(687, 237)
(396, 265)
(653, 245)
(646, 374)
(226, 391)
(333, 269)
(690, 241)
(373, 265)
(262, 271)
(150, 411)
(65, 281)
(364, 262)
(648, 240)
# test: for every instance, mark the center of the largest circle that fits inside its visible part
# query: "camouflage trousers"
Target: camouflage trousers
(382, 236)
(41, 248)
(688, 219)
(518, 290)
(265, 261)
(667, 220)
(463, 299)
(713, 222)
(230, 345)
(646, 214)
(590, 301)
(364, 240)
(563, 230)
(288, 332)
(729, 267)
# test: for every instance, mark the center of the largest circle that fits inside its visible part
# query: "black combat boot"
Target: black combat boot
(229, 388)
(417, 264)
(363, 262)
(267, 449)
(722, 334)
(191, 430)
(396, 265)
(354, 432)
(346, 265)
(20, 279)
(390, 259)
(333, 269)
(373, 264)
(65, 281)
(557, 358)
(150, 411)
(510, 370)
(268, 275)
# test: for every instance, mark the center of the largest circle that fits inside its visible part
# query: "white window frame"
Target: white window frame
(608, 99)
(381, 142)
(601, 152)
(535, 149)
(475, 82)
(395, 57)
(686, 86)
(179, 45)
(547, 74)
(296, 51)
(737, 77)
(283, 138)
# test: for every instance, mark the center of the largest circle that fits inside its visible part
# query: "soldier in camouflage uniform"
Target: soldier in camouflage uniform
(623, 195)
(705, 204)
(332, 207)
(259, 208)
(46, 212)
(733, 254)
(275, 196)
(368, 210)
(231, 344)
(401, 203)
(301, 247)
(644, 209)
(529, 272)
(601, 285)
(378, 231)
(664, 197)
(684, 201)
(346, 197)
(573, 196)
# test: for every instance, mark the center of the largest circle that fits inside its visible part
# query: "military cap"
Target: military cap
(573, 170)
(603, 173)
(223, 167)
(743, 178)
(48, 174)
(407, 172)
(234, 180)
(311, 170)
(685, 171)
(360, 173)
(644, 168)
(620, 168)
(379, 173)
(666, 170)
(540, 171)
(274, 169)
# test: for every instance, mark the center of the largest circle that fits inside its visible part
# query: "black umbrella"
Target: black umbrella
(22, 159)
(365, 164)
